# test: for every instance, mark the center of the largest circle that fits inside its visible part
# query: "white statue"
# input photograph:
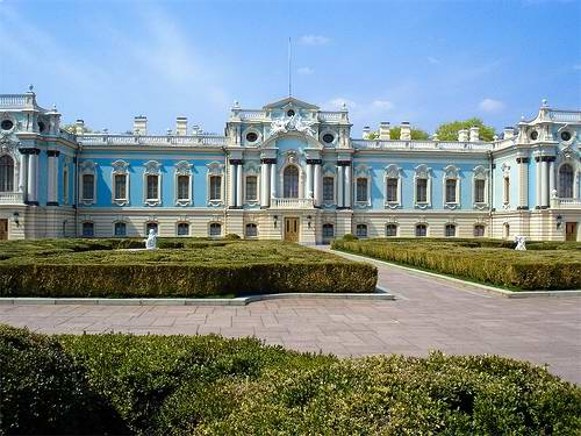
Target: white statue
(520, 242)
(151, 241)
(302, 126)
(278, 126)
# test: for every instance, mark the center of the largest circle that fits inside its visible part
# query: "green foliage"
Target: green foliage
(449, 131)
(232, 237)
(159, 385)
(542, 267)
(187, 268)
(395, 132)
(350, 237)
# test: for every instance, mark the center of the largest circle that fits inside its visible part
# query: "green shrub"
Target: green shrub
(350, 237)
(232, 237)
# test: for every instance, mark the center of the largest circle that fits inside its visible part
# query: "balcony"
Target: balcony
(557, 203)
(11, 198)
(292, 203)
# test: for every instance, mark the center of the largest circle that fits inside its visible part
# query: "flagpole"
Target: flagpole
(289, 67)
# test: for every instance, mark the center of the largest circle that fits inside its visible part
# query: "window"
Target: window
(506, 191)
(251, 191)
(566, 181)
(183, 187)
(421, 230)
(6, 124)
(506, 230)
(215, 187)
(361, 190)
(88, 187)
(328, 231)
(251, 230)
(252, 137)
(391, 189)
(88, 229)
(152, 187)
(6, 174)
(451, 185)
(120, 229)
(151, 226)
(183, 229)
(479, 191)
(66, 184)
(329, 189)
(361, 230)
(391, 230)
(478, 230)
(450, 230)
(421, 190)
(291, 182)
(215, 229)
(120, 186)
(328, 138)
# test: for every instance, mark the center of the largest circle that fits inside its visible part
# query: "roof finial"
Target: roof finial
(30, 87)
(545, 102)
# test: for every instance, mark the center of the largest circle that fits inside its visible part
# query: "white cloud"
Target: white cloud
(382, 104)
(314, 40)
(491, 105)
(305, 71)
(338, 102)
(434, 61)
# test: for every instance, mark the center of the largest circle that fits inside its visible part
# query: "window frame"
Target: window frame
(180, 225)
(454, 230)
(212, 226)
(92, 224)
(122, 225)
(391, 226)
(251, 226)
(359, 230)
(421, 226)
(8, 175)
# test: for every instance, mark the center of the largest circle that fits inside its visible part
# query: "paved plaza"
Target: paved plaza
(428, 313)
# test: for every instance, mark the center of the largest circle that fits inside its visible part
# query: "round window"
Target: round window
(290, 112)
(41, 126)
(534, 135)
(328, 138)
(251, 136)
(566, 136)
(6, 124)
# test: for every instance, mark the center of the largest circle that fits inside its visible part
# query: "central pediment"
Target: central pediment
(290, 102)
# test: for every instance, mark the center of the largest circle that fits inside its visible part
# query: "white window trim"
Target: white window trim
(246, 236)
(393, 172)
(221, 229)
(253, 170)
(361, 172)
(88, 168)
(480, 173)
(506, 192)
(152, 168)
(396, 230)
(115, 223)
(120, 167)
(451, 172)
(455, 235)
(183, 168)
(329, 171)
(215, 169)
(421, 224)
(423, 172)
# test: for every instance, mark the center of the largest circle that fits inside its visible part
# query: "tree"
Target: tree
(394, 134)
(72, 128)
(449, 131)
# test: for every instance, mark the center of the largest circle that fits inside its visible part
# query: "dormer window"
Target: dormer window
(290, 112)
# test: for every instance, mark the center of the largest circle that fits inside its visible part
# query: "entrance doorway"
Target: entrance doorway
(291, 229)
(3, 230)
(570, 231)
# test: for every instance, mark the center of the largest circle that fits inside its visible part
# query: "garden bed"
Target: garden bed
(544, 266)
(159, 385)
(186, 268)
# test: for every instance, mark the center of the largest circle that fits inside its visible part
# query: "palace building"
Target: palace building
(288, 171)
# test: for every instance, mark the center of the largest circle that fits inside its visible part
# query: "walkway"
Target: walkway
(429, 313)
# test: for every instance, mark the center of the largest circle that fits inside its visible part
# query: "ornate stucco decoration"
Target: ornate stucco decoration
(296, 123)
(8, 142)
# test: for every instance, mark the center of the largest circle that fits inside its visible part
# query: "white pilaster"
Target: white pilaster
(32, 177)
(309, 187)
(538, 180)
(272, 180)
(340, 186)
(552, 186)
(544, 184)
(51, 179)
(318, 184)
(23, 182)
(576, 181)
(232, 186)
(239, 185)
(523, 182)
(348, 185)
(264, 182)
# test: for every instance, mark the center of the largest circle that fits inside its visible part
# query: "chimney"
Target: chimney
(384, 131)
(181, 126)
(406, 131)
(474, 134)
(366, 132)
(140, 125)
(462, 135)
(80, 127)
(508, 132)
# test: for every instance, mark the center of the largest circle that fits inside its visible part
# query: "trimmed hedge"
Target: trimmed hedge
(544, 266)
(156, 385)
(190, 268)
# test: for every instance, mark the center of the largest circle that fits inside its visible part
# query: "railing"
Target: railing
(333, 116)
(249, 114)
(292, 203)
(11, 198)
(420, 145)
(557, 203)
(160, 140)
(566, 116)
(15, 100)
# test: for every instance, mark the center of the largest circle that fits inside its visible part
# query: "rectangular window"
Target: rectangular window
(361, 189)
(421, 190)
(215, 188)
(391, 230)
(328, 188)
(251, 191)
(451, 190)
(183, 187)
(88, 229)
(479, 190)
(88, 186)
(120, 187)
(152, 187)
(391, 190)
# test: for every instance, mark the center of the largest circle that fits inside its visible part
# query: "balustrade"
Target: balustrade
(292, 203)
(9, 198)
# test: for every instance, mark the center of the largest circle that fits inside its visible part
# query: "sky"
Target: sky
(425, 62)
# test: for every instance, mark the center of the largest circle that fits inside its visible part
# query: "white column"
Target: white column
(240, 186)
(544, 184)
(340, 186)
(576, 180)
(308, 188)
(23, 182)
(32, 177)
(318, 184)
(264, 184)
(552, 186)
(51, 180)
(348, 186)
(232, 186)
(273, 180)
(523, 183)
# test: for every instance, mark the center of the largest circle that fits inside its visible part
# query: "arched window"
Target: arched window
(328, 232)
(391, 230)
(478, 230)
(151, 226)
(120, 229)
(251, 230)
(566, 178)
(361, 231)
(421, 230)
(88, 229)
(6, 174)
(506, 230)
(215, 229)
(183, 229)
(450, 230)
(291, 182)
